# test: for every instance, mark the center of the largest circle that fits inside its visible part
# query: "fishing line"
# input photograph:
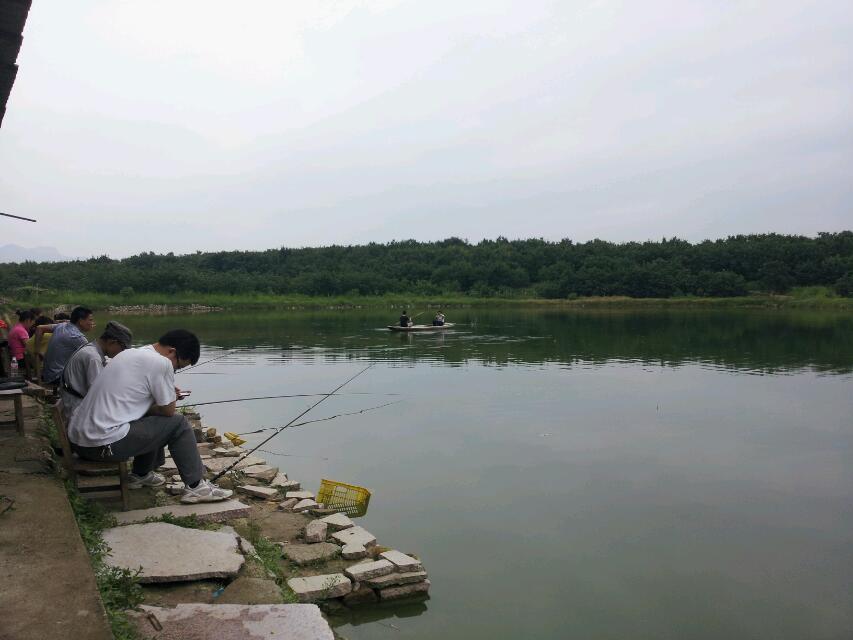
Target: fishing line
(185, 369)
(280, 429)
(292, 395)
(337, 415)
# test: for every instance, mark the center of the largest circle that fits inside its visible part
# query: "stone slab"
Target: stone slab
(323, 587)
(362, 595)
(315, 531)
(287, 505)
(167, 553)
(404, 563)
(367, 570)
(246, 590)
(354, 552)
(356, 536)
(175, 488)
(290, 485)
(279, 480)
(168, 466)
(204, 511)
(300, 495)
(303, 554)
(260, 472)
(394, 579)
(215, 465)
(265, 493)
(304, 505)
(234, 622)
(406, 591)
(338, 521)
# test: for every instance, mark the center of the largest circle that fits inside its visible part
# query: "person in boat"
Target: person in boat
(405, 320)
(438, 320)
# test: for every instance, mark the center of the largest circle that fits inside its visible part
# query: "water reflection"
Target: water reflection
(760, 341)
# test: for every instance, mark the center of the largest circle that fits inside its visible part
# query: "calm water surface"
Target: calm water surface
(572, 475)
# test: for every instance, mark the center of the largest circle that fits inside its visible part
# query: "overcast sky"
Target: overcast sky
(186, 125)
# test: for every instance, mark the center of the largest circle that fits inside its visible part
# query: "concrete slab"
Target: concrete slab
(289, 485)
(262, 472)
(394, 579)
(167, 553)
(302, 554)
(338, 521)
(367, 570)
(354, 552)
(304, 505)
(356, 536)
(279, 480)
(324, 587)
(315, 531)
(300, 495)
(265, 493)
(287, 505)
(406, 591)
(403, 562)
(234, 622)
(215, 465)
(204, 511)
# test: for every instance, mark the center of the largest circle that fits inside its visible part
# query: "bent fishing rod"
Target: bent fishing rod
(280, 429)
(289, 395)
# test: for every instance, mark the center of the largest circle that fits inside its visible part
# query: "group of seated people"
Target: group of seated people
(131, 411)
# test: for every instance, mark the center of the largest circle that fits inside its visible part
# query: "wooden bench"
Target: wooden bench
(76, 465)
(16, 396)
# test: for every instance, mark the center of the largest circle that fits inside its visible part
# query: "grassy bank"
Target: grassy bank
(803, 297)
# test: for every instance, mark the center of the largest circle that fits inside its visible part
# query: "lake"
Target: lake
(596, 475)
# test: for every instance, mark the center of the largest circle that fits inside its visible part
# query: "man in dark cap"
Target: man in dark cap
(87, 363)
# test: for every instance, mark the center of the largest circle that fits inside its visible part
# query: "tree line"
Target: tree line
(733, 266)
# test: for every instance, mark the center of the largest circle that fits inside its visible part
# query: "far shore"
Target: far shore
(157, 304)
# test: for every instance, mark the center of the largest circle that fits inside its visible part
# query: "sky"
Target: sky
(185, 125)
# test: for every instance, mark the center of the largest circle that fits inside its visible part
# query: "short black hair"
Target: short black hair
(25, 315)
(43, 320)
(61, 316)
(80, 313)
(184, 342)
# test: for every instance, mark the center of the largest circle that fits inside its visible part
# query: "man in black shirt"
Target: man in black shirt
(405, 320)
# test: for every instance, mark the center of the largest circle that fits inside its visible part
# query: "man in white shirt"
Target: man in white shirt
(130, 412)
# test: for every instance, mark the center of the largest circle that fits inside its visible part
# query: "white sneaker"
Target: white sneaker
(150, 479)
(205, 492)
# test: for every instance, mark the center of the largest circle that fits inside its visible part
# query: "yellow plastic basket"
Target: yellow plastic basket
(343, 497)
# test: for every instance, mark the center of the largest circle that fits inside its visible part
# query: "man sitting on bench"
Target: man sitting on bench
(130, 412)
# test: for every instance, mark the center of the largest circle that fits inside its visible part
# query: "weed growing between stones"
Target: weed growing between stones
(188, 522)
(119, 588)
(269, 555)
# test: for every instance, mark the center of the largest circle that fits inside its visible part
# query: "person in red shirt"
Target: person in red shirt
(19, 335)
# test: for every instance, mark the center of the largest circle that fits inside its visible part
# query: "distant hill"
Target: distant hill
(17, 253)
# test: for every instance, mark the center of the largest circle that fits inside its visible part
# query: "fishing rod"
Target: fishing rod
(280, 429)
(9, 215)
(337, 415)
(291, 395)
(184, 370)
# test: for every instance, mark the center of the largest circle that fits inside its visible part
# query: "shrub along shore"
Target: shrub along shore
(192, 302)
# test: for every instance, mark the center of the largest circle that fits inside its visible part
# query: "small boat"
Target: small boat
(421, 327)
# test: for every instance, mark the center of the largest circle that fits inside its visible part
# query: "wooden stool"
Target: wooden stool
(74, 464)
(16, 395)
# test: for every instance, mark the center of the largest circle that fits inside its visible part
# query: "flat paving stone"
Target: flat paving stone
(302, 554)
(167, 553)
(304, 505)
(289, 485)
(406, 591)
(300, 495)
(279, 480)
(260, 472)
(266, 493)
(338, 521)
(394, 579)
(234, 622)
(204, 511)
(367, 570)
(403, 562)
(354, 552)
(315, 531)
(287, 505)
(356, 536)
(215, 465)
(324, 587)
